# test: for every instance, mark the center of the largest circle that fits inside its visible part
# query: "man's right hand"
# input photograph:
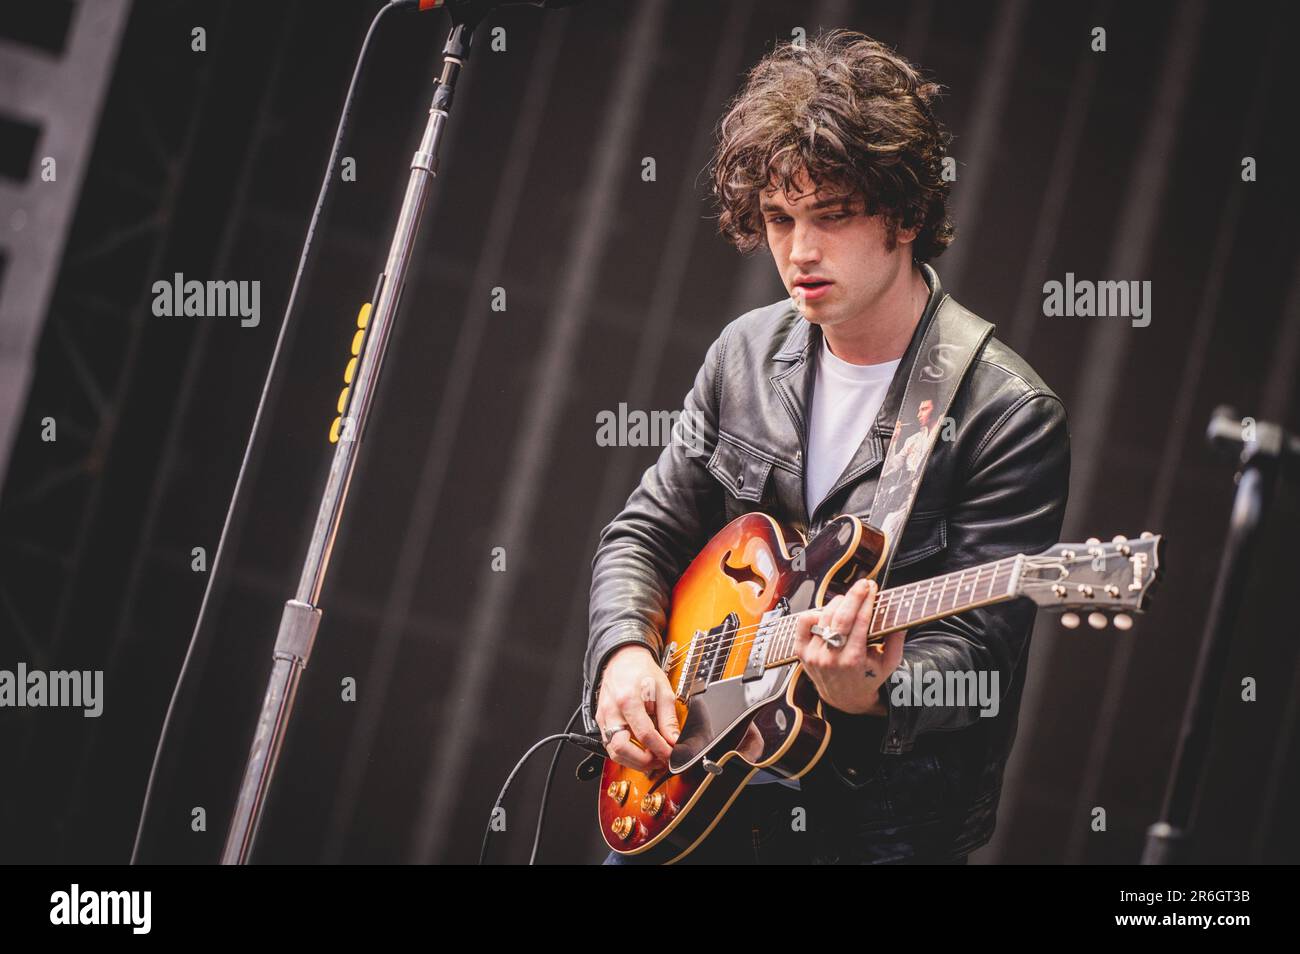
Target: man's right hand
(634, 691)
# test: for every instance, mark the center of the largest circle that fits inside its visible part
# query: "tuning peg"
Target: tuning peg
(1092, 541)
(1119, 538)
(1070, 620)
(1123, 621)
(1097, 620)
(1147, 534)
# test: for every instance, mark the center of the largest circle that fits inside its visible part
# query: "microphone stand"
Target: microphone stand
(1261, 458)
(301, 618)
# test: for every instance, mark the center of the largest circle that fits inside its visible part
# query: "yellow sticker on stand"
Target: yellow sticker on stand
(363, 319)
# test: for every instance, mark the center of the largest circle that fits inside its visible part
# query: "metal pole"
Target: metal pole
(301, 617)
(1166, 841)
(1262, 457)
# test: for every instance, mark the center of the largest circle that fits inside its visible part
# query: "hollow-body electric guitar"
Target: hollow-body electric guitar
(743, 701)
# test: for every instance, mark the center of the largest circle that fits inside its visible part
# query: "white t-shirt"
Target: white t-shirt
(846, 399)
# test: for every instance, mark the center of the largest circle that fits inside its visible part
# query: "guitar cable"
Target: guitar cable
(583, 741)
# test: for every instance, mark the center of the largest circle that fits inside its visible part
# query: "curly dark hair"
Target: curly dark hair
(852, 114)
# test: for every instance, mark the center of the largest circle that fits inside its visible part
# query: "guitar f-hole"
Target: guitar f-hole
(742, 574)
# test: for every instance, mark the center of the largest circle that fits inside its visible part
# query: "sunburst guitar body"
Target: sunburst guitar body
(743, 700)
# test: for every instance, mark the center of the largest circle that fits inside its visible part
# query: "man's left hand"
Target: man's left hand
(849, 678)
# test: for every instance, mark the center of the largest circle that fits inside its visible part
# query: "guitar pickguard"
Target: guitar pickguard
(715, 713)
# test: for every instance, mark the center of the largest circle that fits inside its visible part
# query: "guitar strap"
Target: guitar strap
(947, 350)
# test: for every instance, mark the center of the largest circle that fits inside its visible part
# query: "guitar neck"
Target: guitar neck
(903, 607)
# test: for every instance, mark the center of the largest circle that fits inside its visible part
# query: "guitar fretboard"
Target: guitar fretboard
(903, 607)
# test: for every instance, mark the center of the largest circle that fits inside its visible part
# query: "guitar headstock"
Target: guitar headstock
(1107, 581)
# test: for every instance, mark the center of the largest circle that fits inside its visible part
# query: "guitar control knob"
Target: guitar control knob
(1097, 620)
(1123, 621)
(618, 791)
(1070, 620)
(652, 804)
(623, 826)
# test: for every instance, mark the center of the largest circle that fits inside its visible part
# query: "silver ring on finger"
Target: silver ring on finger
(607, 733)
(832, 637)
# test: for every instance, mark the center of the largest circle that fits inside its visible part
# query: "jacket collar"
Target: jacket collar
(803, 333)
(795, 382)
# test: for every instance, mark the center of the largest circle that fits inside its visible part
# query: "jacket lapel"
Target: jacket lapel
(793, 382)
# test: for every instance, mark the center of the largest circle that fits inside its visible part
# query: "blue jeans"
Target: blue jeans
(760, 828)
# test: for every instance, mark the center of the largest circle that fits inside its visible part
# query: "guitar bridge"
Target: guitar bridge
(756, 663)
(686, 677)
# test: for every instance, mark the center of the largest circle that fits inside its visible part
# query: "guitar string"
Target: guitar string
(885, 601)
(898, 595)
(783, 623)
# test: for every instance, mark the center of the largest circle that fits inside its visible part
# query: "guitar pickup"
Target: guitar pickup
(715, 648)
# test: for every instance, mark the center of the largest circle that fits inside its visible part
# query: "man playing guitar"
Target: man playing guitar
(832, 158)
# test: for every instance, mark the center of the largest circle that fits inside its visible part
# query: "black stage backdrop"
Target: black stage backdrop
(1125, 164)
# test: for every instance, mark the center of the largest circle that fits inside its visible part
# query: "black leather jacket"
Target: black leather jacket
(997, 488)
